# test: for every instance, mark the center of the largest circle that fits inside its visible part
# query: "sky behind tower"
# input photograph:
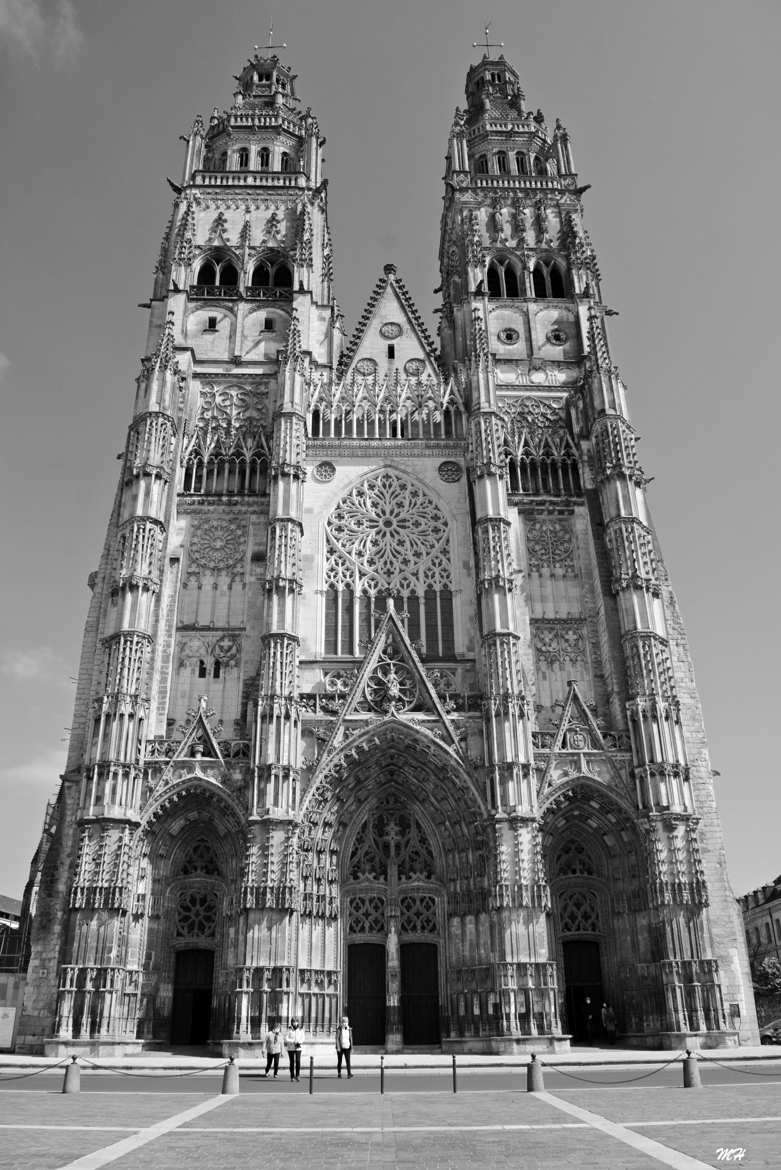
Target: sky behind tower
(671, 108)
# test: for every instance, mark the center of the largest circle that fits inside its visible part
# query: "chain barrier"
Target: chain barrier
(127, 1072)
(623, 1081)
(748, 1071)
(36, 1071)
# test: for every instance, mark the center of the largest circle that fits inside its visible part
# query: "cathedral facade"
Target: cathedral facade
(385, 704)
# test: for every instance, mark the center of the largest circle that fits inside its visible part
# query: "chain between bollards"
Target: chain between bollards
(72, 1080)
(382, 1073)
(691, 1072)
(230, 1078)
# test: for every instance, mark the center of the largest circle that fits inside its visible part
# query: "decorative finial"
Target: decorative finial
(488, 44)
(283, 45)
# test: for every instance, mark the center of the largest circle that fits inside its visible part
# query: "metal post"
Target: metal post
(311, 1075)
(382, 1072)
(230, 1078)
(691, 1072)
(534, 1081)
(455, 1075)
(72, 1080)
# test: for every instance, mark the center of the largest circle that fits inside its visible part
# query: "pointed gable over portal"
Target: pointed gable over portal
(390, 338)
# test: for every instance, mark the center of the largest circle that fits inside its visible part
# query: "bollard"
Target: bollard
(534, 1081)
(72, 1081)
(382, 1072)
(230, 1078)
(691, 1072)
(311, 1075)
(455, 1078)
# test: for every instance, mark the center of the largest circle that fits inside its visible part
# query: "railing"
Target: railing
(214, 291)
(249, 179)
(263, 293)
(516, 182)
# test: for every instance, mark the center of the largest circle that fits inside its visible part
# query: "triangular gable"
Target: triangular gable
(199, 742)
(390, 318)
(391, 681)
(577, 733)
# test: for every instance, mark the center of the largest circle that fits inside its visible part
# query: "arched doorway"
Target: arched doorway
(393, 913)
(599, 909)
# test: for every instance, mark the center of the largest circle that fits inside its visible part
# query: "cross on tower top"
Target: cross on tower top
(487, 44)
(282, 45)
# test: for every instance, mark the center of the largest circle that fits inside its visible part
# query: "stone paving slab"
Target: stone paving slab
(761, 1143)
(124, 1109)
(373, 1110)
(627, 1105)
(46, 1150)
(580, 1148)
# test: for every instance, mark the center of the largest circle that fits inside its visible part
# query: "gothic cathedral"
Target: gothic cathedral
(385, 704)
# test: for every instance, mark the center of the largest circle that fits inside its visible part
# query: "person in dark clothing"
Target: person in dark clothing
(344, 1046)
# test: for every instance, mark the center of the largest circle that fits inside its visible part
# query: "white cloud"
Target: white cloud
(33, 27)
(5, 363)
(33, 665)
(68, 37)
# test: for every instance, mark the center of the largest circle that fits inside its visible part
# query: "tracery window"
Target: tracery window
(418, 914)
(272, 271)
(505, 277)
(542, 459)
(216, 275)
(390, 834)
(196, 914)
(199, 860)
(548, 279)
(229, 453)
(573, 860)
(366, 914)
(579, 912)
(387, 539)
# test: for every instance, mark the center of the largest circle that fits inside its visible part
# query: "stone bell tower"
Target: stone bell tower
(611, 767)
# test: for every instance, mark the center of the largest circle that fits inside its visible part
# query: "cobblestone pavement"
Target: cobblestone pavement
(613, 1127)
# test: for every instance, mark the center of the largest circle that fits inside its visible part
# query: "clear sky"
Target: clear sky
(672, 107)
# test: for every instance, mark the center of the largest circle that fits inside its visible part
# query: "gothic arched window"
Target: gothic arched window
(264, 158)
(229, 453)
(539, 165)
(207, 274)
(548, 279)
(228, 275)
(505, 277)
(542, 459)
(242, 158)
(284, 162)
(214, 273)
(521, 163)
(502, 165)
(388, 539)
(481, 165)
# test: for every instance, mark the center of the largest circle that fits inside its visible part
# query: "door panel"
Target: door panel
(419, 993)
(366, 992)
(583, 981)
(192, 1000)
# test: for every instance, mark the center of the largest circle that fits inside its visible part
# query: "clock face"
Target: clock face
(414, 367)
(366, 366)
(390, 330)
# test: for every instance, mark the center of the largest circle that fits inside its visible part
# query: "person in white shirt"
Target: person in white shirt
(273, 1049)
(294, 1039)
(344, 1044)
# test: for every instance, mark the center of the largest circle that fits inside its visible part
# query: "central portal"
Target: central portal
(393, 914)
(192, 1006)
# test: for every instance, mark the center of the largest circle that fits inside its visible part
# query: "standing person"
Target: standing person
(273, 1049)
(611, 1026)
(293, 1043)
(344, 1044)
(588, 1012)
(603, 1018)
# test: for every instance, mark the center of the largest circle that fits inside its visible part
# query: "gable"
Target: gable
(390, 340)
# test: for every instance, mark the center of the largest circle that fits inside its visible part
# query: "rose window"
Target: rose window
(388, 539)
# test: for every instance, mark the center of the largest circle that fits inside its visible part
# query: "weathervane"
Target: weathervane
(283, 45)
(488, 44)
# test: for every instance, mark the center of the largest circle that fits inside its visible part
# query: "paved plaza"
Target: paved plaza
(169, 1114)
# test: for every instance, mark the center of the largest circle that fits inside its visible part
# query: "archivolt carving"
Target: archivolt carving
(579, 912)
(390, 834)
